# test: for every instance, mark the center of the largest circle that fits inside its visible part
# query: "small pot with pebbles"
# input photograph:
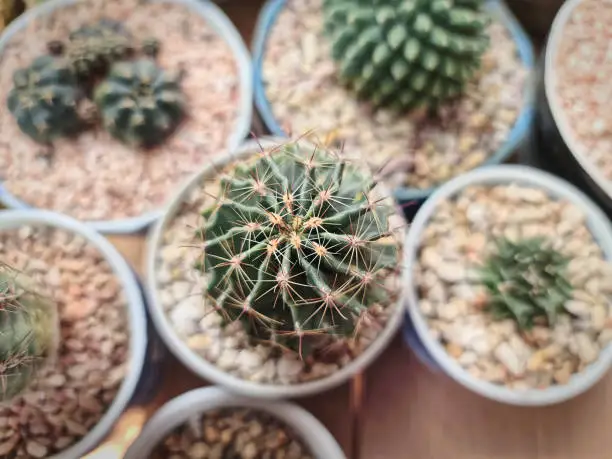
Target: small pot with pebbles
(421, 90)
(212, 424)
(508, 279)
(275, 271)
(108, 108)
(573, 127)
(72, 336)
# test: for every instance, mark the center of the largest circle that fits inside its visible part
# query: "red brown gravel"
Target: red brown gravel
(582, 67)
(95, 177)
(72, 395)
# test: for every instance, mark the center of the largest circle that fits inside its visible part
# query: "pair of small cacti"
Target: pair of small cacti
(138, 102)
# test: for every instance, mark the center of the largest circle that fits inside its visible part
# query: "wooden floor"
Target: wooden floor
(401, 410)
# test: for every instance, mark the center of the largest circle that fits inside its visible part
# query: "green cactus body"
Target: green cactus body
(140, 104)
(406, 54)
(93, 48)
(28, 333)
(44, 99)
(297, 248)
(525, 280)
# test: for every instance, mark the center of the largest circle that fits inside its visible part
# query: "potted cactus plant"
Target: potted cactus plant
(507, 270)
(422, 90)
(100, 90)
(189, 426)
(72, 336)
(30, 332)
(275, 271)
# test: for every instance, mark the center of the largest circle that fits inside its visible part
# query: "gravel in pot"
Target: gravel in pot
(298, 87)
(65, 380)
(212, 424)
(509, 279)
(136, 95)
(301, 311)
(572, 129)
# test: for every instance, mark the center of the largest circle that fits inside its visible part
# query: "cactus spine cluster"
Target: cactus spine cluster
(140, 104)
(297, 248)
(526, 281)
(406, 54)
(44, 99)
(28, 333)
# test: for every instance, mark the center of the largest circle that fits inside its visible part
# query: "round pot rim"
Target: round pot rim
(135, 310)
(556, 109)
(598, 224)
(198, 401)
(208, 370)
(218, 21)
(498, 9)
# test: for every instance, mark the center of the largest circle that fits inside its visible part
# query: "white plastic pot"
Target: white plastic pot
(220, 23)
(595, 179)
(203, 367)
(135, 315)
(191, 405)
(599, 226)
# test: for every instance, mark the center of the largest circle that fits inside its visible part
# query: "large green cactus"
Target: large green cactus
(44, 99)
(297, 246)
(29, 332)
(140, 103)
(407, 53)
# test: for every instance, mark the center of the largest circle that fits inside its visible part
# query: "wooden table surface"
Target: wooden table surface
(409, 412)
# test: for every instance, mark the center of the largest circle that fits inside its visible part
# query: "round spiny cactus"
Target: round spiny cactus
(140, 104)
(29, 333)
(406, 53)
(298, 247)
(44, 99)
(525, 280)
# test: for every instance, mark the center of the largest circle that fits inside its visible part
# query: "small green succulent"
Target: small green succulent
(91, 49)
(140, 103)
(44, 99)
(297, 248)
(406, 53)
(29, 332)
(526, 280)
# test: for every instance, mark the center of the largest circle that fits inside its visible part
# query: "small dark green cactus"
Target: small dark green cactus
(525, 280)
(29, 332)
(297, 247)
(150, 47)
(93, 48)
(44, 99)
(407, 53)
(139, 103)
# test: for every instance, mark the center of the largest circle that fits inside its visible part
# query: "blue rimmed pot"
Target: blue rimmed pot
(409, 198)
(554, 146)
(221, 25)
(143, 359)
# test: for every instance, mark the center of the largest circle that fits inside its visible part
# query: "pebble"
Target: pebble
(68, 399)
(462, 136)
(95, 177)
(456, 240)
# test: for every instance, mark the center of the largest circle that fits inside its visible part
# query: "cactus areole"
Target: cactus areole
(297, 247)
(28, 333)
